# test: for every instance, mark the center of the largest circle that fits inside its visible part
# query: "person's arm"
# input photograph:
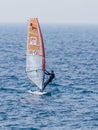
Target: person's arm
(46, 72)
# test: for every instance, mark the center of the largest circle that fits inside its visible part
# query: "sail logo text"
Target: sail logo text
(33, 40)
(32, 26)
(33, 52)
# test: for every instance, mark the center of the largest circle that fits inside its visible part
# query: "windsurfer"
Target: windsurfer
(52, 76)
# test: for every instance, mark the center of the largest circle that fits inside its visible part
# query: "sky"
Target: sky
(49, 11)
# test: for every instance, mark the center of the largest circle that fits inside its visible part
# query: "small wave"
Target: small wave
(87, 91)
(18, 128)
(56, 84)
(10, 77)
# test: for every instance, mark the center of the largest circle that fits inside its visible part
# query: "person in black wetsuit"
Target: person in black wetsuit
(52, 76)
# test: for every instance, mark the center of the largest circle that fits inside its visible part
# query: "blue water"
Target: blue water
(72, 52)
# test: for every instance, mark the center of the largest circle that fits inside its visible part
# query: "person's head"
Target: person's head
(52, 71)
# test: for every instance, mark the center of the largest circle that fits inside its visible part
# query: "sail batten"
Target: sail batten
(35, 56)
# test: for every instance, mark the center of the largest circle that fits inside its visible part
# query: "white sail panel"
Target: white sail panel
(34, 70)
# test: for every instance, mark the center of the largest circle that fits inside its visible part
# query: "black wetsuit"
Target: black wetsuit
(52, 75)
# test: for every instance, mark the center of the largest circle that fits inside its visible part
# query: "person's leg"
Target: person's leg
(45, 84)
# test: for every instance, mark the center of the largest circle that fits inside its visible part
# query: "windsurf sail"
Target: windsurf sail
(35, 56)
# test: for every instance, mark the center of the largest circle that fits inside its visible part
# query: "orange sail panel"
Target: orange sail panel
(35, 59)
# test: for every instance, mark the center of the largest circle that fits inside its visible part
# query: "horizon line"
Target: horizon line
(54, 23)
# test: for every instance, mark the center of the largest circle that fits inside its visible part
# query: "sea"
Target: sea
(72, 52)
